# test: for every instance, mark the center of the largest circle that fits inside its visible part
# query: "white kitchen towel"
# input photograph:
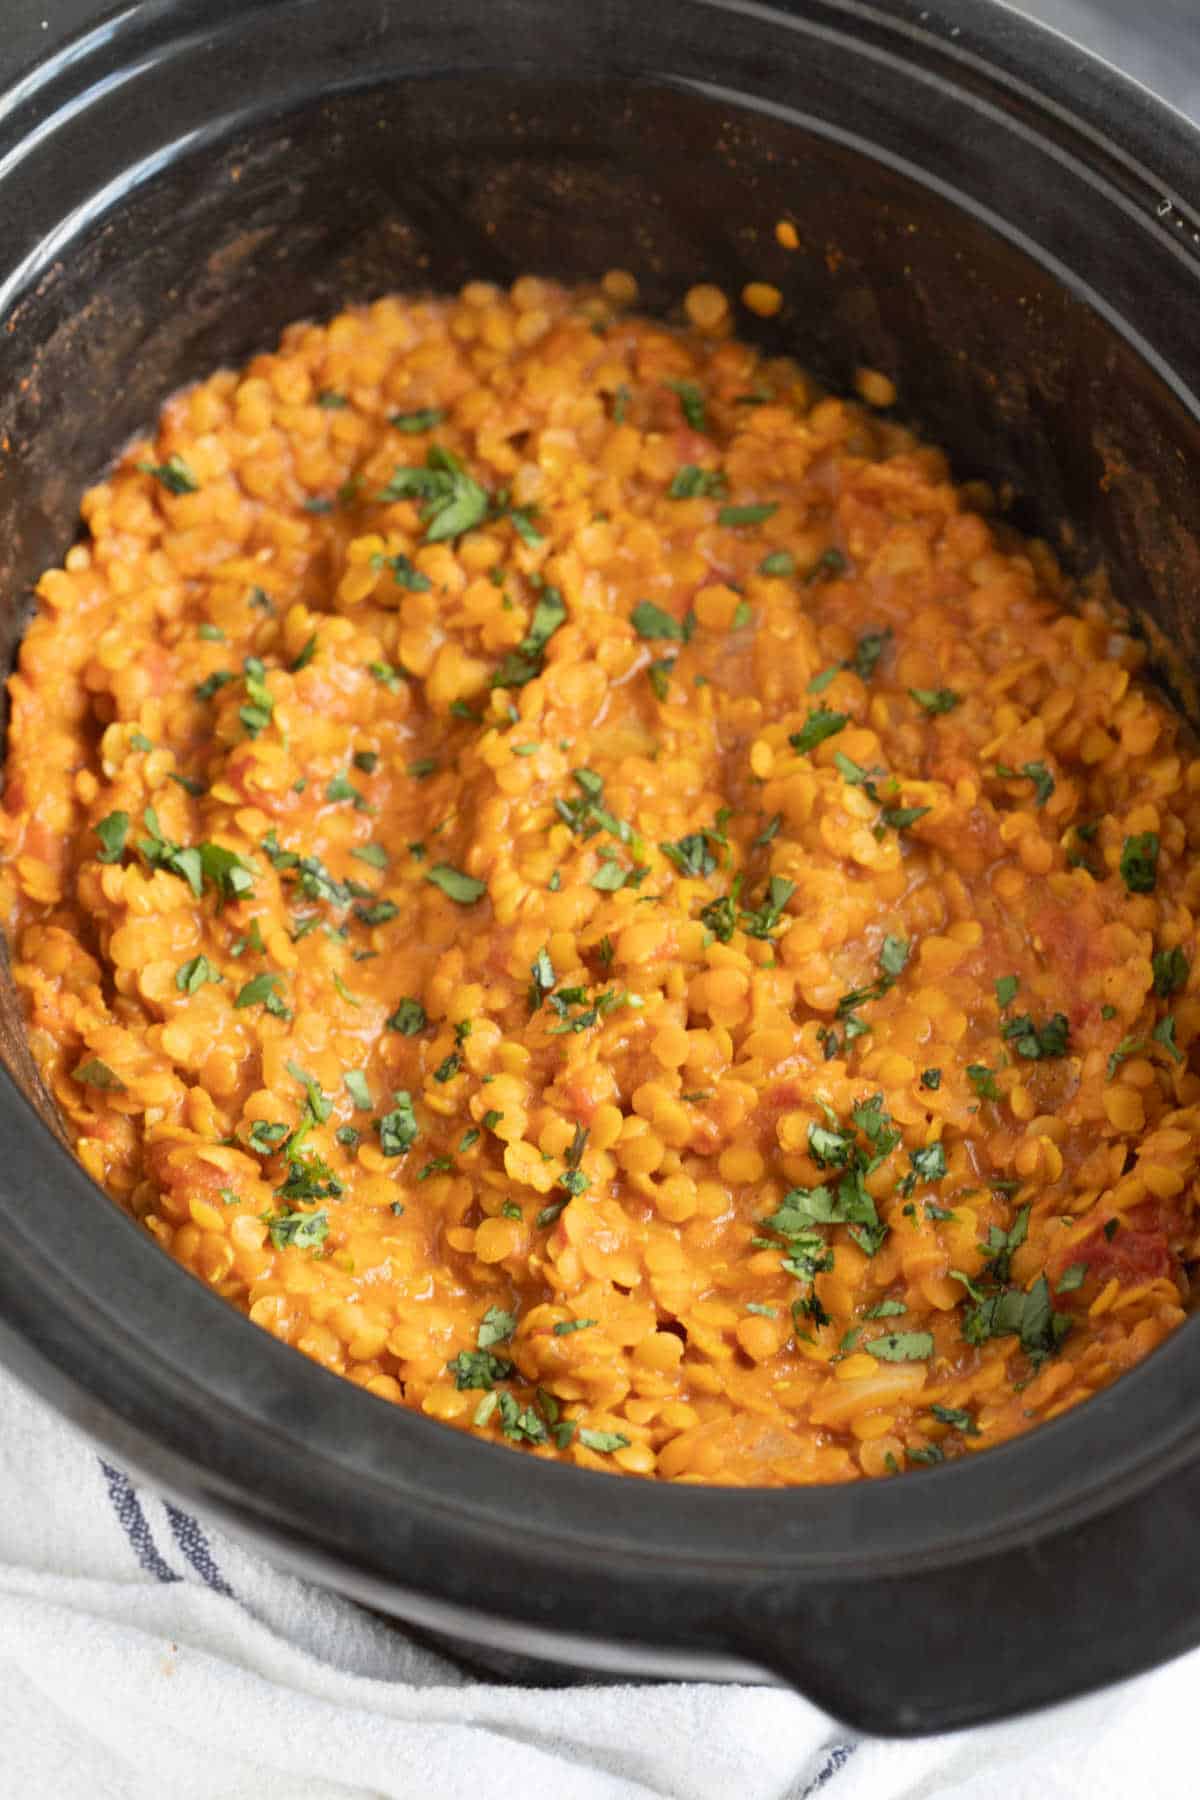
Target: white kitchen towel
(144, 1655)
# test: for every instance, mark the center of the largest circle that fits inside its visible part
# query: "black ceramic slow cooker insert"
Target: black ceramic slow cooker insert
(1001, 225)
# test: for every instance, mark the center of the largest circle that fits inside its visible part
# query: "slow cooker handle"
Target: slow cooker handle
(938, 1649)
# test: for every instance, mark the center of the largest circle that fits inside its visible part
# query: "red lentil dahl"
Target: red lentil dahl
(584, 885)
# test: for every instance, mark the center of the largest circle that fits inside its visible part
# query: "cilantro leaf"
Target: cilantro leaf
(778, 563)
(820, 724)
(901, 1346)
(983, 1080)
(398, 1129)
(650, 621)
(1037, 772)
(871, 647)
(192, 975)
(691, 403)
(174, 475)
(1139, 862)
(691, 855)
(762, 921)
(526, 661)
(453, 501)
(464, 889)
(936, 700)
(97, 1074)
(112, 832)
(1038, 1042)
(298, 1230)
(1171, 970)
(691, 483)
(424, 419)
(733, 516)
(827, 567)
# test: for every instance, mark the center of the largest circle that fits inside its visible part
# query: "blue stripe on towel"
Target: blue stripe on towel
(189, 1535)
(837, 1756)
(132, 1521)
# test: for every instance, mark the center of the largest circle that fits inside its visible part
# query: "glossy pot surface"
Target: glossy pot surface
(1000, 225)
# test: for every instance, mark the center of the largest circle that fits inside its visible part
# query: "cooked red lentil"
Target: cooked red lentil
(588, 888)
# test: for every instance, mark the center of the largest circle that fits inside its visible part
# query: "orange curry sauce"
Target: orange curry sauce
(587, 887)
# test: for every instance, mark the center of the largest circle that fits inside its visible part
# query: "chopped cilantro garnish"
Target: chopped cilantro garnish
(690, 483)
(931, 1079)
(1037, 772)
(650, 621)
(405, 574)
(266, 1134)
(97, 1074)
(373, 854)
(453, 501)
(1139, 862)
(378, 913)
(828, 565)
(901, 1346)
(691, 403)
(871, 647)
(398, 1128)
(1030, 1316)
(192, 975)
(358, 1089)
(112, 832)
(174, 475)
(464, 889)
(260, 991)
(819, 725)
(340, 788)
(423, 419)
(602, 1441)
(409, 1018)
(478, 1369)
(954, 1416)
(1006, 989)
(778, 563)
(1171, 971)
(893, 959)
(733, 516)
(691, 855)
(983, 1080)
(298, 1230)
(886, 1309)
(660, 676)
(762, 921)
(496, 1327)
(1038, 1042)
(936, 700)
(525, 662)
